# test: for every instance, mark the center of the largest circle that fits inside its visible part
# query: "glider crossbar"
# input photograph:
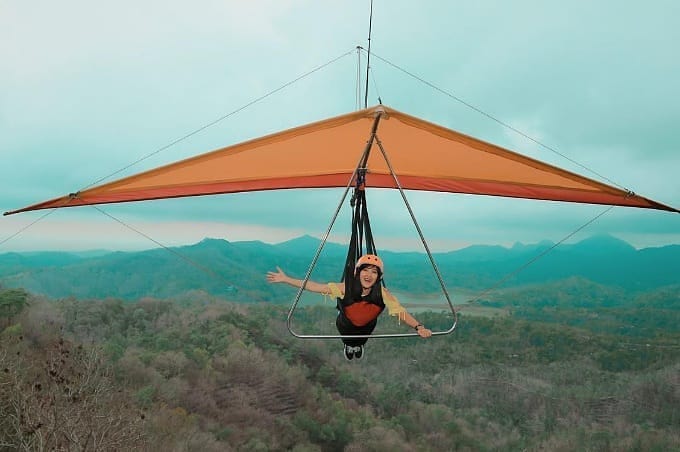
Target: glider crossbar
(358, 172)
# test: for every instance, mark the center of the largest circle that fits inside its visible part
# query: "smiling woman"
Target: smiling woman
(360, 301)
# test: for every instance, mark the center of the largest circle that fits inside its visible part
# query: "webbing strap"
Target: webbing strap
(361, 240)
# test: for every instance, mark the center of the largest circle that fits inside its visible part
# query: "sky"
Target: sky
(95, 91)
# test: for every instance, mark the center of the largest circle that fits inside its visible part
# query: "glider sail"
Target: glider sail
(322, 154)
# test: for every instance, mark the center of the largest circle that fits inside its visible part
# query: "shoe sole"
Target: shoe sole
(348, 356)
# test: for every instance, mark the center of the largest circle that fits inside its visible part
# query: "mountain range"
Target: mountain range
(236, 270)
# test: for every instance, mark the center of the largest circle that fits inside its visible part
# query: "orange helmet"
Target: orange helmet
(370, 259)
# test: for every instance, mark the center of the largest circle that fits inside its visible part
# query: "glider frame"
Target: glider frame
(364, 158)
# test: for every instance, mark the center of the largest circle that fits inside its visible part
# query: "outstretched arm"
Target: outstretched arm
(280, 277)
(395, 308)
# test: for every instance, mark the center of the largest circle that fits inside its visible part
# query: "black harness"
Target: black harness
(361, 238)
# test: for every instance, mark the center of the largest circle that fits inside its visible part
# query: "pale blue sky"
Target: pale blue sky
(88, 88)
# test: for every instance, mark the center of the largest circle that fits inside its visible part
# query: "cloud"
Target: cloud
(90, 89)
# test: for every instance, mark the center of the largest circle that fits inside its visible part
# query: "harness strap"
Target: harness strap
(361, 236)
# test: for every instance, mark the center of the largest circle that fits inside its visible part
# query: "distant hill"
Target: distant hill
(237, 270)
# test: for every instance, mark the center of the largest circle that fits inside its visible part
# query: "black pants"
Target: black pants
(345, 327)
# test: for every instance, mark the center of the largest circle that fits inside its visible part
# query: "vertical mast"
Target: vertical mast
(368, 58)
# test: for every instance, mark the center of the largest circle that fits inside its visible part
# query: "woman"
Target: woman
(360, 307)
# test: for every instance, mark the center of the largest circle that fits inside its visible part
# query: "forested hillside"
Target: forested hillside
(235, 270)
(198, 373)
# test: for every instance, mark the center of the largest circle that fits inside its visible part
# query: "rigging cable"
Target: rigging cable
(375, 86)
(537, 257)
(7, 239)
(221, 118)
(204, 269)
(502, 123)
(190, 134)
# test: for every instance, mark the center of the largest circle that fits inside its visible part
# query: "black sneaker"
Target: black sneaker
(348, 352)
(359, 351)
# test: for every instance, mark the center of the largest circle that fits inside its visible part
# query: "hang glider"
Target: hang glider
(425, 156)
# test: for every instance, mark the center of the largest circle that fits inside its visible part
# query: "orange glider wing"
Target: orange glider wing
(423, 155)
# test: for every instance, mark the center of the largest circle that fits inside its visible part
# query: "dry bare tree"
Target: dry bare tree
(63, 398)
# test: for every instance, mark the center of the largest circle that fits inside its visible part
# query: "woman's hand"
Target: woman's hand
(424, 332)
(277, 277)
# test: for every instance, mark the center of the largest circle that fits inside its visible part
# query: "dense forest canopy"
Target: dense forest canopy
(198, 372)
(140, 351)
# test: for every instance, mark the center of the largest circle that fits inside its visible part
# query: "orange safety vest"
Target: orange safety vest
(362, 312)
